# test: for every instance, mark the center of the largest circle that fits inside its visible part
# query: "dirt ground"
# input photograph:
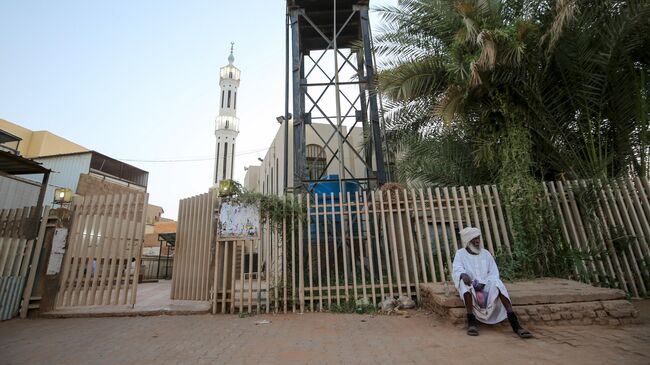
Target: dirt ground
(315, 338)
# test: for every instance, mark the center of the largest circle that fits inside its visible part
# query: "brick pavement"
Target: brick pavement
(310, 339)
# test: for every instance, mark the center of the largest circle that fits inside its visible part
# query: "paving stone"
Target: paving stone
(319, 338)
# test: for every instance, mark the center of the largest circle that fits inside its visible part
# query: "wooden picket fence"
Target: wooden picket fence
(609, 223)
(356, 246)
(366, 246)
(105, 238)
(21, 241)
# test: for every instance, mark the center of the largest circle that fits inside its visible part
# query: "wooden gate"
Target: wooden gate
(21, 241)
(192, 257)
(102, 259)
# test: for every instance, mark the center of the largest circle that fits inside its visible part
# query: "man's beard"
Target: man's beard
(474, 250)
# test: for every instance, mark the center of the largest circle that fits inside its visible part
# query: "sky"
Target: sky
(138, 80)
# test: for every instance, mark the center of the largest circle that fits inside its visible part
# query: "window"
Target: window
(222, 94)
(216, 164)
(316, 161)
(277, 172)
(232, 161)
(230, 74)
(226, 123)
(225, 159)
(228, 98)
(235, 101)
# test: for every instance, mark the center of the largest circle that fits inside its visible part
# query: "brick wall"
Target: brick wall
(92, 185)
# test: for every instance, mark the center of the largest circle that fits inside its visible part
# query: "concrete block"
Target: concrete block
(576, 315)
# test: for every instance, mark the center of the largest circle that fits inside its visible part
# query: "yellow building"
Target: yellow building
(38, 143)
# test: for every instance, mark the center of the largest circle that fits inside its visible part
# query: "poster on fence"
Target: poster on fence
(238, 221)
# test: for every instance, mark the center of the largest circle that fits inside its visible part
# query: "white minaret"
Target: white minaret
(227, 123)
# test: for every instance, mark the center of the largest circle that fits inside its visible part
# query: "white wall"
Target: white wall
(271, 177)
(15, 193)
(65, 172)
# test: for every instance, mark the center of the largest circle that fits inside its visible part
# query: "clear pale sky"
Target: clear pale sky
(138, 80)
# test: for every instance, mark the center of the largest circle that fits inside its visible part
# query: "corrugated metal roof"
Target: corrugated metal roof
(103, 164)
(8, 137)
(13, 164)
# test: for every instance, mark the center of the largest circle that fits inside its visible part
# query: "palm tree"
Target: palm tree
(594, 90)
(459, 62)
(525, 90)
(569, 80)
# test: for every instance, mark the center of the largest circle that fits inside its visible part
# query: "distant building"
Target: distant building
(38, 143)
(89, 173)
(152, 246)
(154, 215)
(268, 177)
(227, 123)
(75, 167)
(15, 190)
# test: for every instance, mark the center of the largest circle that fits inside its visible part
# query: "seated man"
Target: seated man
(476, 277)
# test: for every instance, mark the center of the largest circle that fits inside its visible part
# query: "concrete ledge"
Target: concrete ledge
(546, 301)
(184, 308)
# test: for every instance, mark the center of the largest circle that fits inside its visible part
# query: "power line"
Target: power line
(190, 159)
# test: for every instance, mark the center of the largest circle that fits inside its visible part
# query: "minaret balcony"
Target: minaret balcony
(226, 122)
(229, 72)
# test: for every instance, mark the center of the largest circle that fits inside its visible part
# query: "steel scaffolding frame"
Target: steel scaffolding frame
(337, 31)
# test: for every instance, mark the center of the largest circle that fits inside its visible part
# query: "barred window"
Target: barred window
(316, 161)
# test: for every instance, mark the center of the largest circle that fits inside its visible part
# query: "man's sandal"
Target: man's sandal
(522, 333)
(472, 331)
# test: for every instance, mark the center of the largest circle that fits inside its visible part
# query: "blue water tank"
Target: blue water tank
(331, 185)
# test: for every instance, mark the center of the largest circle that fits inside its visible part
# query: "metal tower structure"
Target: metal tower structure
(333, 80)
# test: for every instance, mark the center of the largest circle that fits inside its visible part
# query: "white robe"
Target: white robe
(483, 268)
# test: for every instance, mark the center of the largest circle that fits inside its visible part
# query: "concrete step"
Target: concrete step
(548, 301)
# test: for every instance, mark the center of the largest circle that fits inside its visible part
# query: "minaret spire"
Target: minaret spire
(231, 58)
(227, 123)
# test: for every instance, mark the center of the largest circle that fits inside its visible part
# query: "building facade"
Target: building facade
(268, 177)
(75, 167)
(227, 123)
(38, 143)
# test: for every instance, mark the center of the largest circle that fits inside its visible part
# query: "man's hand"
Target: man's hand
(466, 279)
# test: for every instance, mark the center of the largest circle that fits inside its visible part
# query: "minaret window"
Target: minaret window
(232, 161)
(222, 95)
(230, 74)
(235, 101)
(216, 167)
(228, 98)
(225, 159)
(226, 124)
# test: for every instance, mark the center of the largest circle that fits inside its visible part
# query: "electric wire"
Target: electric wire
(190, 159)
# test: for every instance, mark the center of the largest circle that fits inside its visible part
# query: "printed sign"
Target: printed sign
(238, 220)
(58, 251)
